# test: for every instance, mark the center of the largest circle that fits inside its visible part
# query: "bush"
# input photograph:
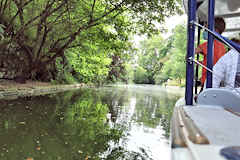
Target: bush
(140, 76)
(160, 78)
(69, 79)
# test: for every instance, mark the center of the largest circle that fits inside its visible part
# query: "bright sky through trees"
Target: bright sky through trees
(170, 24)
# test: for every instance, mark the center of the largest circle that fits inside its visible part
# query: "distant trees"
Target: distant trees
(175, 67)
(140, 76)
(163, 59)
(152, 56)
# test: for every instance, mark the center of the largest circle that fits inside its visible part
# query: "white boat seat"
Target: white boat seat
(222, 97)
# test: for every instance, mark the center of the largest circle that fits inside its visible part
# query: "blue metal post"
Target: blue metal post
(211, 8)
(190, 52)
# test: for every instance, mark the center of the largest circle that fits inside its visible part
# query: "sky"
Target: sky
(171, 23)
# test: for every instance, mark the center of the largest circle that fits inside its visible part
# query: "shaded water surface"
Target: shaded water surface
(111, 123)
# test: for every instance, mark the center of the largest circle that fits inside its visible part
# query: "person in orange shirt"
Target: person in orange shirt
(219, 49)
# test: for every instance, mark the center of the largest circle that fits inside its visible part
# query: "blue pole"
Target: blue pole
(190, 52)
(211, 8)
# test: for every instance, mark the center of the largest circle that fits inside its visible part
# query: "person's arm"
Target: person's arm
(201, 49)
(219, 70)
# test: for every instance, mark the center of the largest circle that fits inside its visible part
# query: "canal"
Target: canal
(110, 123)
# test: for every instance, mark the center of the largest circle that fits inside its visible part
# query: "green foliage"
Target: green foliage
(172, 59)
(69, 79)
(154, 109)
(175, 66)
(2, 31)
(69, 125)
(152, 56)
(117, 70)
(160, 78)
(140, 76)
(45, 30)
(163, 59)
(129, 73)
(86, 109)
(63, 72)
(86, 122)
(90, 67)
(93, 62)
(151, 12)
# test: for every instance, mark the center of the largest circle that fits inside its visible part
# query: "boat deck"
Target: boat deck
(203, 130)
(214, 120)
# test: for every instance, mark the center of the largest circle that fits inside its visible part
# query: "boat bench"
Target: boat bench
(222, 97)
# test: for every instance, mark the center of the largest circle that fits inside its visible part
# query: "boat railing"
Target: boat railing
(229, 43)
(206, 10)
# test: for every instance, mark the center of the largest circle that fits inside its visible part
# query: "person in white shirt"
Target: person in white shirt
(227, 70)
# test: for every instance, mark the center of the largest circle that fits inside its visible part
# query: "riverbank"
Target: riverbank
(12, 90)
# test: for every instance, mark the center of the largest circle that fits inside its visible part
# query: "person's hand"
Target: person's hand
(198, 50)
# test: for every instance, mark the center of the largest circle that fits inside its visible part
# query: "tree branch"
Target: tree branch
(20, 11)
(27, 51)
(110, 11)
(4, 6)
(46, 31)
(73, 36)
(43, 12)
(10, 24)
(59, 51)
(42, 21)
(92, 11)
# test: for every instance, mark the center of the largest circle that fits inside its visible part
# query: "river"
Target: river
(124, 122)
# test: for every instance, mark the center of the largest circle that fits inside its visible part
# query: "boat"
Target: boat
(209, 128)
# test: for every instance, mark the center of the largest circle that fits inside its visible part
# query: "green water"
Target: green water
(109, 123)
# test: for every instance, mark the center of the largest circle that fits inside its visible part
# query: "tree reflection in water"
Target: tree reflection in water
(85, 124)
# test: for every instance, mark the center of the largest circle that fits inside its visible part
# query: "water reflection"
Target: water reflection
(108, 123)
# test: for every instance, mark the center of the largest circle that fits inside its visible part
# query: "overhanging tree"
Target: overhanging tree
(39, 31)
